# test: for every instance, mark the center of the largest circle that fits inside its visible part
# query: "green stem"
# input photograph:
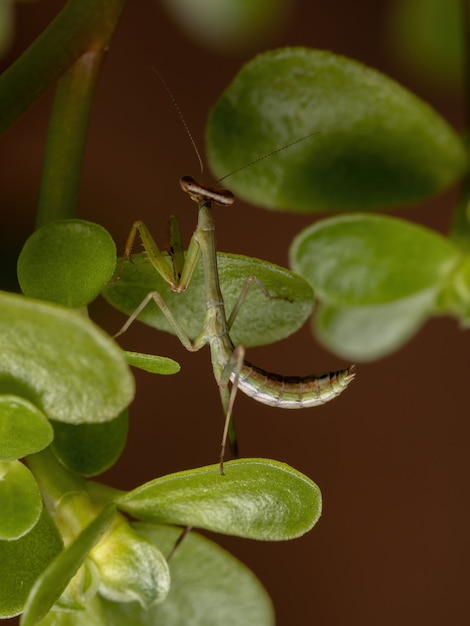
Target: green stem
(52, 477)
(66, 138)
(64, 494)
(82, 26)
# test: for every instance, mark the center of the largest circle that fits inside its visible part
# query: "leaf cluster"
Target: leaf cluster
(340, 136)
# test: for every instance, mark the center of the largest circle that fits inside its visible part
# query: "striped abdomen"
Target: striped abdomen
(292, 392)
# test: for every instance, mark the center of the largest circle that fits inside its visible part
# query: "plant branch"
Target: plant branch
(82, 26)
(66, 139)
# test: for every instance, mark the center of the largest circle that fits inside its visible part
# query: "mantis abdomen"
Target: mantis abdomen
(291, 392)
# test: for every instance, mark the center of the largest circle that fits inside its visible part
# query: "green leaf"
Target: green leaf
(91, 615)
(228, 24)
(131, 567)
(428, 37)
(360, 260)
(67, 262)
(151, 363)
(209, 587)
(261, 320)
(24, 429)
(20, 500)
(61, 361)
(371, 332)
(55, 578)
(374, 144)
(23, 561)
(90, 449)
(256, 499)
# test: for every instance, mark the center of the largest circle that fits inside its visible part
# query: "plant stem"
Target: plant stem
(53, 479)
(66, 138)
(63, 493)
(82, 26)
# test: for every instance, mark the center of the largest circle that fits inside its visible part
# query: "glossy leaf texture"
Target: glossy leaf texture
(23, 561)
(256, 499)
(151, 363)
(356, 140)
(24, 429)
(55, 578)
(90, 449)
(61, 362)
(378, 279)
(20, 500)
(260, 321)
(209, 587)
(67, 262)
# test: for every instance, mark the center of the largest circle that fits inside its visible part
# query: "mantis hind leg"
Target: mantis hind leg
(251, 280)
(227, 395)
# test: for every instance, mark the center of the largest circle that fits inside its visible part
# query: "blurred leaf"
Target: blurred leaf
(23, 561)
(61, 361)
(256, 499)
(260, 321)
(360, 260)
(367, 333)
(90, 449)
(209, 587)
(454, 299)
(67, 262)
(374, 144)
(428, 37)
(24, 429)
(151, 363)
(20, 500)
(52, 582)
(229, 24)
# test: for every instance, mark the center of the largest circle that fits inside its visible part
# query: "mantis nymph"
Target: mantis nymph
(228, 363)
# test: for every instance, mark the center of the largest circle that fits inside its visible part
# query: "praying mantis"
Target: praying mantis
(228, 362)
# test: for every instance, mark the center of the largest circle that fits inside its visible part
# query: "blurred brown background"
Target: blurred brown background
(390, 455)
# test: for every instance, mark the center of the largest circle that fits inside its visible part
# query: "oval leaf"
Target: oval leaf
(23, 561)
(209, 587)
(151, 363)
(369, 333)
(20, 500)
(90, 449)
(256, 499)
(359, 260)
(24, 429)
(67, 262)
(55, 578)
(61, 361)
(260, 321)
(374, 144)
(228, 24)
